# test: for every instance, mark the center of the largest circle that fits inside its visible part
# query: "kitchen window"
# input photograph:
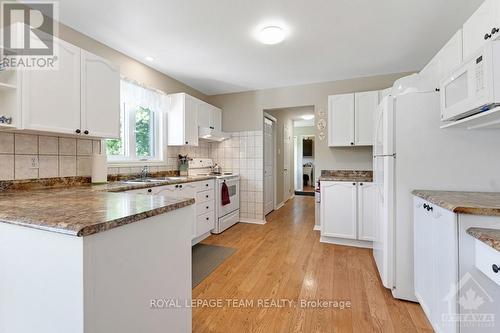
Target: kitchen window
(142, 121)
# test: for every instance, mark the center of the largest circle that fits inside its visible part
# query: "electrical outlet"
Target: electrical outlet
(35, 164)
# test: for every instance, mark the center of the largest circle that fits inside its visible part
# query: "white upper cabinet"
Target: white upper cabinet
(216, 118)
(446, 60)
(81, 97)
(365, 104)
(204, 115)
(482, 26)
(209, 116)
(100, 109)
(338, 210)
(350, 119)
(341, 120)
(51, 98)
(186, 114)
(366, 211)
(183, 120)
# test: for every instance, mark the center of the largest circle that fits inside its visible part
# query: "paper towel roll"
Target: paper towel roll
(99, 168)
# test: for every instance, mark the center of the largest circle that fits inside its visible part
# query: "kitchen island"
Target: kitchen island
(81, 260)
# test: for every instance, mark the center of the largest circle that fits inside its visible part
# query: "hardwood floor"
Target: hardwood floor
(285, 260)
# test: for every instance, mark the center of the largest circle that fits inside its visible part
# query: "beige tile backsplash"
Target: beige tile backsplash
(57, 157)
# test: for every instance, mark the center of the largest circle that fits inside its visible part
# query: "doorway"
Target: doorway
(304, 157)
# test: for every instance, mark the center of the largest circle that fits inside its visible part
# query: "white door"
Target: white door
(366, 104)
(287, 153)
(338, 209)
(366, 211)
(341, 120)
(268, 166)
(191, 121)
(51, 98)
(481, 25)
(100, 97)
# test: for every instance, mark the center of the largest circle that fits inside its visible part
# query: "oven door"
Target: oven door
(234, 196)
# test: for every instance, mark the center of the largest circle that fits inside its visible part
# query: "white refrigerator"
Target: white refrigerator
(412, 152)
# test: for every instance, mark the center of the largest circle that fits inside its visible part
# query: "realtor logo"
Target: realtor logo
(466, 302)
(28, 31)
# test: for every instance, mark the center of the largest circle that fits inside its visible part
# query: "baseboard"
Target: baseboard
(278, 206)
(252, 221)
(346, 242)
(317, 227)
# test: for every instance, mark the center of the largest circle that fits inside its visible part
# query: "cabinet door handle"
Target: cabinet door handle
(150, 190)
(176, 186)
(352, 143)
(207, 207)
(78, 131)
(361, 184)
(208, 218)
(353, 183)
(187, 142)
(495, 268)
(86, 132)
(206, 196)
(494, 31)
(487, 36)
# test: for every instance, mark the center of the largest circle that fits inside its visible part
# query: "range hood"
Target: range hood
(210, 134)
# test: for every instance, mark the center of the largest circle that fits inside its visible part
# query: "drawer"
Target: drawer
(487, 260)
(206, 185)
(205, 196)
(204, 207)
(205, 223)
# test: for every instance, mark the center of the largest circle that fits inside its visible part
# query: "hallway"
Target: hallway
(284, 261)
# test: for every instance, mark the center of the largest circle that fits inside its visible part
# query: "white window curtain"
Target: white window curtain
(135, 95)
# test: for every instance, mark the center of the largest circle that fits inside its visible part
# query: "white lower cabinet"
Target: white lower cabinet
(204, 194)
(347, 213)
(453, 291)
(436, 263)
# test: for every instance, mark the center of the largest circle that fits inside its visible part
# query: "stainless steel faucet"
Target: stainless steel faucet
(145, 172)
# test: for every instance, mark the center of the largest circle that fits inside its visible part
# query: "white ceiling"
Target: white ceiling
(210, 46)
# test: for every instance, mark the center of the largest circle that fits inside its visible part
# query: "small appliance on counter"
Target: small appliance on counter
(226, 215)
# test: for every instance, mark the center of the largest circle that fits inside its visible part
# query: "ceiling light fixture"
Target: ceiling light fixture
(271, 35)
(150, 59)
(308, 117)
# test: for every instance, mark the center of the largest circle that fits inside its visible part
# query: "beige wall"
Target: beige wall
(244, 111)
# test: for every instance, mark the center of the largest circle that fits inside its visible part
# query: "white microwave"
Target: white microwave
(474, 87)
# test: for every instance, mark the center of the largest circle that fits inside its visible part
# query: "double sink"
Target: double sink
(155, 180)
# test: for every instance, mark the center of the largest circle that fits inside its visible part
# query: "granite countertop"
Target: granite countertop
(473, 203)
(490, 237)
(346, 176)
(86, 209)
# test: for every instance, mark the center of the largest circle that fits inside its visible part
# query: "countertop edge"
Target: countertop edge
(457, 209)
(108, 225)
(484, 235)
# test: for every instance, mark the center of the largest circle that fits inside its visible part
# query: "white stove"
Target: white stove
(226, 215)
